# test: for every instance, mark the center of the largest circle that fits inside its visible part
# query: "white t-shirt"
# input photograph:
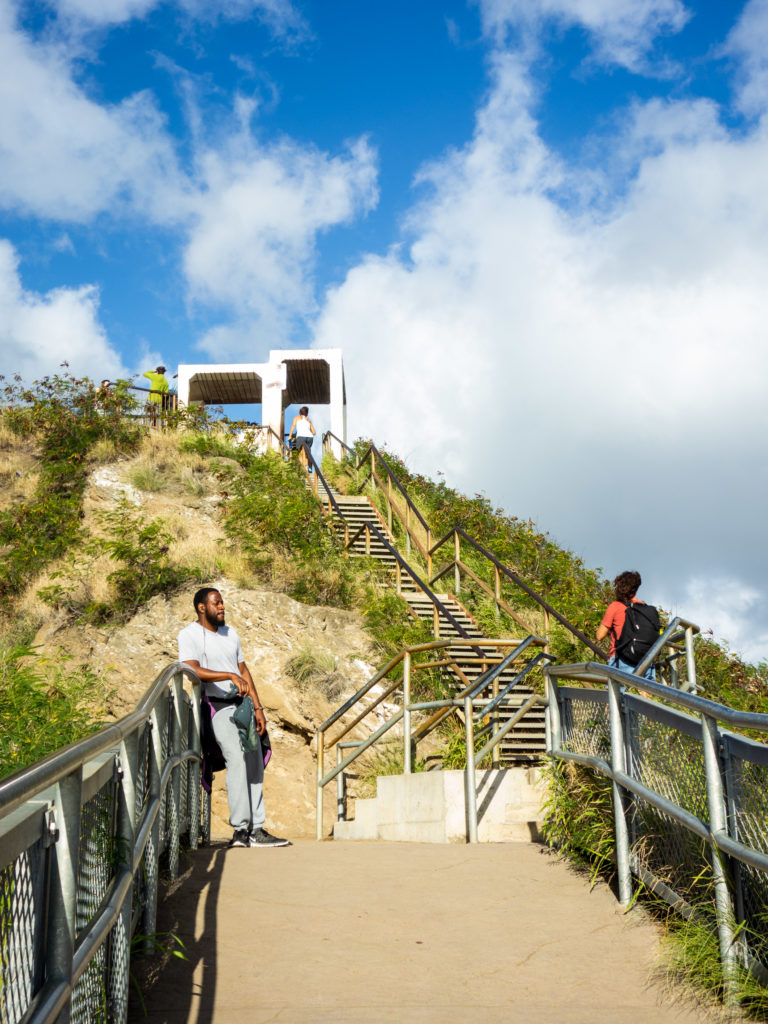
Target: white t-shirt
(303, 429)
(219, 651)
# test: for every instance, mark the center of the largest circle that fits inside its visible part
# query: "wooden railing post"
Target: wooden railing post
(408, 528)
(429, 554)
(497, 591)
(367, 539)
(456, 560)
(545, 634)
(389, 503)
(435, 621)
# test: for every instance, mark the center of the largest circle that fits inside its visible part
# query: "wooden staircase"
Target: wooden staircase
(526, 742)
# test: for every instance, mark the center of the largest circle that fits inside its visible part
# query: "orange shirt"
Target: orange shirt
(613, 620)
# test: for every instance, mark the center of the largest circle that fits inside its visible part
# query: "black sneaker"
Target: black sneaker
(260, 837)
(240, 837)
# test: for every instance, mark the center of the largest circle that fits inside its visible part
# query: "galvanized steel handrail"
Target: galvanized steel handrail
(473, 707)
(715, 829)
(136, 772)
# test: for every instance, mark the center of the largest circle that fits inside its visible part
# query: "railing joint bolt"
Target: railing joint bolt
(51, 829)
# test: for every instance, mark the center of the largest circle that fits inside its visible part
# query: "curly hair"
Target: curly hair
(626, 585)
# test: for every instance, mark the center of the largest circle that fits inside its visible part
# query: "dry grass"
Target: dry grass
(194, 548)
(91, 585)
(161, 467)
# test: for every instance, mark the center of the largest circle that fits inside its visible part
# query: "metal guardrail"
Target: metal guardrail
(690, 801)
(469, 700)
(81, 834)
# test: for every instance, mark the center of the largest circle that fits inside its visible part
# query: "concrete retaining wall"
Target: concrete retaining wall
(430, 807)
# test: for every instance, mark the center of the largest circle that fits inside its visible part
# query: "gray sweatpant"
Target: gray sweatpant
(245, 774)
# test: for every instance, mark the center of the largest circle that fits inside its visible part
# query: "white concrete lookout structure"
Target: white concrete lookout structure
(291, 377)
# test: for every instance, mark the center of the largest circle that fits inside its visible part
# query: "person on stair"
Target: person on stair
(626, 586)
(213, 650)
(304, 430)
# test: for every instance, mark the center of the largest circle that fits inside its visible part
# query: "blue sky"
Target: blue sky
(537, 228)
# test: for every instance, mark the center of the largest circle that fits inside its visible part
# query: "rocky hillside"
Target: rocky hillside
(273, 627)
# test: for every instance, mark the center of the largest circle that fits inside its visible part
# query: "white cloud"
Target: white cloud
(598, 367)
(259, 210)
(64, 156)
(748, 43)
(39, 332)
(729, 608)
(281, 16)
(623, 31)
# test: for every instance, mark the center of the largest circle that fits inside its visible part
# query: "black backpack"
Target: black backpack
(640, 632)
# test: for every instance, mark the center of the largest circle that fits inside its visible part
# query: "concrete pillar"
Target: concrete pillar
(185, 376)
(272, 387)
(338, 399)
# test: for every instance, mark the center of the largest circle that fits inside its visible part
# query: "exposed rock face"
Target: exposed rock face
(272, 627)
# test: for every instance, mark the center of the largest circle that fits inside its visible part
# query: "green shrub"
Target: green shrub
(68, 417)
(42, 711)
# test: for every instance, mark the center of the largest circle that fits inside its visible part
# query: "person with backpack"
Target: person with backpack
(633, 626)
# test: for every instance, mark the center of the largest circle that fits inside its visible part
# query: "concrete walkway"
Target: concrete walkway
(385, 932)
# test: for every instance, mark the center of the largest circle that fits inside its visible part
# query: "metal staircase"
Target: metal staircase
(361, 528)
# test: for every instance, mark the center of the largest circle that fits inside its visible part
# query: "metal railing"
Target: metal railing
(690, 799)
(81, 834)
(469, 701)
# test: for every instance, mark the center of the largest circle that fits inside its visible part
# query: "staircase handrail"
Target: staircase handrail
(467, 700)
(441, 608)
(344, 445)
(519, 582)
(373, 451)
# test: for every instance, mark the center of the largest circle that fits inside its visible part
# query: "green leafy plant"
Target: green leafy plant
(42, 706)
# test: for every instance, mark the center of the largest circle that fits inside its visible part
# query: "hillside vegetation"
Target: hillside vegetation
(100, 565)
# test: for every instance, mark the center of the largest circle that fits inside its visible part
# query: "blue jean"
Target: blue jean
(650, 672)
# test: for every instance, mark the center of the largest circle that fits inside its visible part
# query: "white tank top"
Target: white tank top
(303, 428)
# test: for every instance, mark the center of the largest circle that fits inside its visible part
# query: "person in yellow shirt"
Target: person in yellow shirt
(158, 395)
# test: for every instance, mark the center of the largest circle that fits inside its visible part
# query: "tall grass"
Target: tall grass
(43, 706)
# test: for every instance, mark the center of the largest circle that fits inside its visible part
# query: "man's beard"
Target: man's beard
(214, 620)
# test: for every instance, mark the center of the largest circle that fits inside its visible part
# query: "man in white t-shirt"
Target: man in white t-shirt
(213, 650)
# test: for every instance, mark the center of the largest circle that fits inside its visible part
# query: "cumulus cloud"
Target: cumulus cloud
(64, 156)
(622, 31)
(39, 332)
(599, 365)
(259, 210)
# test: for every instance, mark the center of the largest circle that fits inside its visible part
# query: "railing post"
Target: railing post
(398, 579)
(119, 976)
(619, 763)
(319, 792)
(389, 503)
(495, 756)
(435, 621)
(429, 555)
(341, 787)
(710, 736)
(690, 660)
(367, 539)
(152, 849)
(407, 747)
(497, 591)
(407, 528)
(195, 772)
(470, 793)
(62, 907)
(174, 788)
(456, 560)
(553, 725)
(545, 634)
